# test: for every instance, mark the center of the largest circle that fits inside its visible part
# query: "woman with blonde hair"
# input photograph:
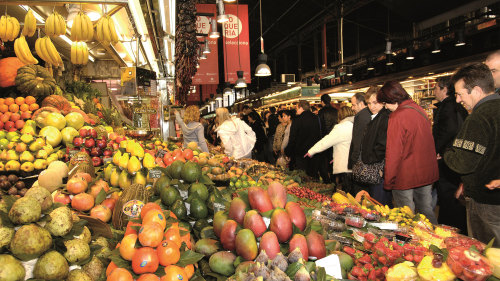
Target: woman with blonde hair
(192, 129)
(237, 138)
(340, 139)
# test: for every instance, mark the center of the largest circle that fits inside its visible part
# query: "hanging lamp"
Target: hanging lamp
(262, 67)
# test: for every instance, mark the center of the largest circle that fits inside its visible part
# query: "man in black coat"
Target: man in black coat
(272, 122)
(304, 133)
(448, 118)
(328, 117)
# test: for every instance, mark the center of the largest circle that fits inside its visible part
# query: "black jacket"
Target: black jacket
(448, 118)
(328, 117)
(361, 119)
(260, 134)
(304, 133)
(375, 138)
(272, 123)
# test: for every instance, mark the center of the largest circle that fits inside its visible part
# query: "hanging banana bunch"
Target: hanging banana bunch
(47, 51)
(9, 28)
(79, 53)
(106, 31)
(23, 52)
(29, 27)
(82, 29)
(55, 25)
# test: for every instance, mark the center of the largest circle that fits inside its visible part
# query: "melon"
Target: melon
(59, 166)
(50, 179)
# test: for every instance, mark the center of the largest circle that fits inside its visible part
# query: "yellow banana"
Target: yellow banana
(83, 26)
(73, 50)
(18, 53)
(98, 34)
(90, 28)
(85, 53)
(79, 52)
(62, 25)
(50, 51)
(105, 31)
(112, 30)
(3, 28)
(17, 27)
(49, 26)
(10, 28)
(76, 29)
(25, 50)
(29, 27)
(54, 54)
(38, 49)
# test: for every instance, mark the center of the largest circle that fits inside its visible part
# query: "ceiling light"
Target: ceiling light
(229, 1)
(240, 82)
(262, 67)
(459, 34)
(214, 33)
(388, 59)
(369, 64)
(410, 55)
(436, 48)
(388, 46)
(349, 70)
(218, 97)
(227, 89)
(37, 16)
(122, 55)
(221, 15)
(206, 48)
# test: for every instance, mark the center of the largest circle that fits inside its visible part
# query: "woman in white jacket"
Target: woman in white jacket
(237, 138)
(340, 139)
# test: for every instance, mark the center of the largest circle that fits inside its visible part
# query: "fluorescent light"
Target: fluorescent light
(37, 16)
(163, 15)
(122, 54)
(135, 7)
(65, 38)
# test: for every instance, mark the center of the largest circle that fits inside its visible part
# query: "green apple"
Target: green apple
(68, 134)
(56, 120)
(52, 135)
(3, 134)
(75, 120)
(4, 143)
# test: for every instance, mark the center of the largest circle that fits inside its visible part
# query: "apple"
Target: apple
(115, 146)
(14, 117)
(68, 135)
(101, 143)
(84, 132)
(61, 198)
(96, 161)
(95, 151)
(108, 152)
(19, 124)
(9, 125)
(119, 139)
(101, 212)
(93, 133)
(110, 203)
(89, 143)
(75, 120)
(77, 141)
(52, 135)
(56, 120)
(83, 149)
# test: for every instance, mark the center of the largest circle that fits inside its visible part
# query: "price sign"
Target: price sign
(73, 152)
(331, 264)
(160, 153)
(154, 173)
(107, 160)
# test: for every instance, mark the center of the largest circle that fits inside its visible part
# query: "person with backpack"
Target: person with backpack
(237, 138)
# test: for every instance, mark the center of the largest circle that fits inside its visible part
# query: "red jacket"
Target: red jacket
(410, 152)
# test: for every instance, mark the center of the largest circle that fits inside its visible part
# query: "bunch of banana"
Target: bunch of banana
(340, 199)
(29, 27)
(106, 31)
(382, 209)
(23, 52)
(79, 53)
(55, 25)
(47, 51)
(82, 28)
(9, 28)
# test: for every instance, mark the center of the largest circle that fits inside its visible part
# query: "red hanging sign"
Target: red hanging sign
(237, 26)
(208, 72)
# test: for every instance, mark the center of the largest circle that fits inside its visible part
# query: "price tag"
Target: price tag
(107, 160)
(219, 207)
(154, 173)
(73, 152)
(267, 221)
(160, 153)
(331, 264)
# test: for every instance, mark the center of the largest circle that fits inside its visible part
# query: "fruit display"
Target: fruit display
(55, 25)
(23, 52)
(82, 28)
(468, 264)
(8, 71)
(9, 28)
(35, 80)
(106, 31)
(79, 53)
(432, 268)
(29, 26)
(15, 112)
(12, 185)
(87, 140)
(47, 51)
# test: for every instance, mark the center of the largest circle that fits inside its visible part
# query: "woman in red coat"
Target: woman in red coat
(410, 157)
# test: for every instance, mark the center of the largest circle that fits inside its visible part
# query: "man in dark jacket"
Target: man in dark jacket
(361, 119)
(304, 133)
(475, 151)
(272, 123)
(328, 117)
(448, 118)
(493, 62)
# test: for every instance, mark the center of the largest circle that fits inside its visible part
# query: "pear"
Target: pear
(107, 172)
(35, 146)
(48, 148)
(130, 146)
(30, 123)
(123, 144)
(40, 164)
(124, 161)
(12, 155)
(27, 138)
(12, 165)
(148, 161)
(116, 158)
(138, 151)
(27, 167)
(133, 165)
(140, 178)
(114, 177)
(123, 180)
(41, 154)
(26, 156)
(2, 167)
(3, 155)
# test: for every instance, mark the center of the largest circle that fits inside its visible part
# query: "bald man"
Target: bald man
(493, 63)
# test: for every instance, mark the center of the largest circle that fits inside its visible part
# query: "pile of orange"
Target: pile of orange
(154, 244)
(13, 112)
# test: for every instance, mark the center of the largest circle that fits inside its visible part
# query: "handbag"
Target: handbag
(368, 173)
(282, 162)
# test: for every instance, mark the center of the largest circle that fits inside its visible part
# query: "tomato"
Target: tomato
(129, 229)
(145, 260)
(151, 234)
(110, 268)
(189, 269)
(172, 234)
(168, 253)
(148, 277)
(187, 154)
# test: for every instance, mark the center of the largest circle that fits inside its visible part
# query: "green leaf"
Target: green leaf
(490, 244)
(268, 214)
(291, 198)
(189, 257)
(244, 196)
(296, 230)
(76, 230)
(284, 248)
(204, 179)
(100, 196)
(118, 260)
(292, 269)
(321, 274)
(237, 261)
(310, 266)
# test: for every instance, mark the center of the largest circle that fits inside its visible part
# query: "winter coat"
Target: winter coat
(192, 132)
(258, 129)
(304, 133)
(328, 117)
(410, 156)
(375, 138)
(278, 137)
(361, 119)
(237, 137)
(340, 139)
(448, 118)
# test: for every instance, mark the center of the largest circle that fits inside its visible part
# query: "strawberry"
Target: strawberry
(367, 245)
(382, 260)
(365, 259)
(350, 251)
(372, 275)
(370, 237)
(356, 271)
(417, 258)
(368, 266)
(384, 269)
(408, 257)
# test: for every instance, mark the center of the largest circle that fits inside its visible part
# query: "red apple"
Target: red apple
(101, 143)
(84, 132)
(112, 135)
(62, 198)
(93, 133)
(101, 212)
(95, 151)
(110, 203)
(83, 149)
(89, 143)
(96, 161)
(108, 152)
(77, 141)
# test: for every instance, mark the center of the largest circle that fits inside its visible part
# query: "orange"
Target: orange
(148, 277)
(110, 268)
(4, 108)
(155, 216)
(174, 273)
(2, 100)
(168, 253)
(29, 100)
(24, 107)
(19, 100)
(9, 101)
(120, 274)
(189, 269)
(172, 234)
(14, 108)
(127, 246)
(145, 260)
(151, 234)
(148, 207)
(130, 230)
(34, 107)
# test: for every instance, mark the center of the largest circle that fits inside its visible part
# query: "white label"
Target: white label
(267, 221)
(331, 264)
(386, 225)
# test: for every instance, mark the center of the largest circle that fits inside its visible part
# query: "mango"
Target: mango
(206, 246)
(220, 219)
(277, 194)
(222, 263)
(255, 223)
(299, 241)
(246, 245)
(281, 225)
(259, 199)
(269, 243)
(316, 245)
(296, 214)
(228, 235)
(237, 210)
